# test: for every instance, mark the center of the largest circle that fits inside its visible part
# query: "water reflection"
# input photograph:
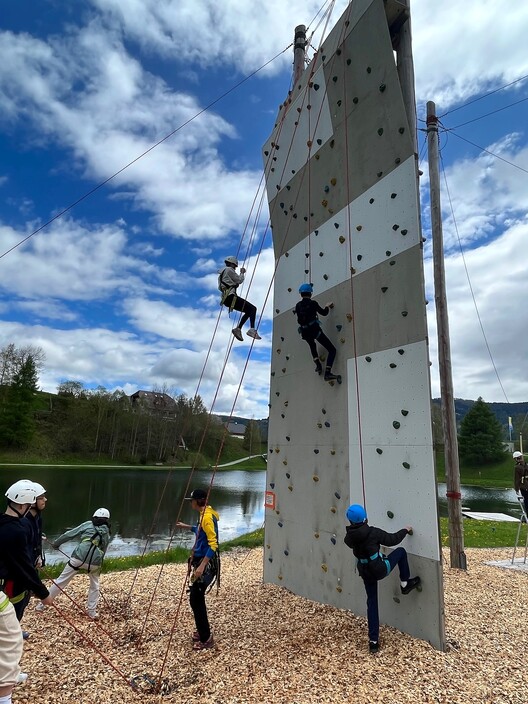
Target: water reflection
(483, 499)
(144, 503)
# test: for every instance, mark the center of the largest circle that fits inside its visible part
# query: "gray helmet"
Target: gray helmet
(516, 455)
(231, 260)
(22, 492)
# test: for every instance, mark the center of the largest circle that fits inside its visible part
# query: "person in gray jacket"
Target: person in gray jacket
(228, 282)
(88, 555)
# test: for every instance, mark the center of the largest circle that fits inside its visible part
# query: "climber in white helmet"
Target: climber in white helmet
(228, 282)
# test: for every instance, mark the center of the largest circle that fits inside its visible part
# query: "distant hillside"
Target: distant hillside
(502, 411)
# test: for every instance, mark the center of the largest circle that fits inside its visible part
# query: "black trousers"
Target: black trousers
(242, 306)
(197, 601)
(324, 342)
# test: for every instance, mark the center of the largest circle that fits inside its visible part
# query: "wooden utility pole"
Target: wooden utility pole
(454, 498)
(299, 52)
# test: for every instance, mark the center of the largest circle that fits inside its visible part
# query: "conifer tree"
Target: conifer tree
(17, 424)
(480, 437)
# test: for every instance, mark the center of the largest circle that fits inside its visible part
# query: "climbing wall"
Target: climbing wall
(342, 190)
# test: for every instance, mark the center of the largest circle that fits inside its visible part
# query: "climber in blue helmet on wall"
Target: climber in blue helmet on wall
(307, 311)
(373, 565)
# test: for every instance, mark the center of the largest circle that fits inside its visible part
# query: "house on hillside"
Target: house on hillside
(155, 402)
(236, 430)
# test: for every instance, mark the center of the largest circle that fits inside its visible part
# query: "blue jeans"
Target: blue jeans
(396, 557)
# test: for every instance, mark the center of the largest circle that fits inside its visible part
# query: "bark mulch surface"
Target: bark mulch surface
(274, 647)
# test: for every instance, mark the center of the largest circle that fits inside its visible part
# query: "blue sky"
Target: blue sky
(121, 290)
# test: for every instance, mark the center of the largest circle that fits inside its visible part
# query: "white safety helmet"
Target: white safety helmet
(22, 492)
(517, 454)
(231, 260)
(101, 513)
(39, 489)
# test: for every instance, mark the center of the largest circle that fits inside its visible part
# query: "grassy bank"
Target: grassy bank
(477, 534)
(499, 474)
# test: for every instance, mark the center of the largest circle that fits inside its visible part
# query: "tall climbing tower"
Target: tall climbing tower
(342, 188)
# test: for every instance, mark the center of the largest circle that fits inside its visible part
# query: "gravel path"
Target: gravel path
(274, 647)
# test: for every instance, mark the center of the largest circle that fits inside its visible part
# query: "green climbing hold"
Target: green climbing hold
(355, 101)
(404, 313)
(334, 78)
(401, 130)
(339, 103)
(400, 351)
(379, 450)
(384, 289)
(393, 195)
(404, 232)
(395, 424)
(339, 328)
(371, 201)
(406, 465)
(380, 174)
(404, 412)
(392, 365)
(349, 61)
(369, 70)
(380, 131)
(316, 86)
(382, 88)
(388, 252)
(325, 277)
(390, 514)
(359, 257)
(368, 359)
(395, 227)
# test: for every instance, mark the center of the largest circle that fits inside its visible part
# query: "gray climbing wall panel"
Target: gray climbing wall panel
(342, 190)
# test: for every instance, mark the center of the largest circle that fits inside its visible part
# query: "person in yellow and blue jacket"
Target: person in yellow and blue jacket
(204, 562)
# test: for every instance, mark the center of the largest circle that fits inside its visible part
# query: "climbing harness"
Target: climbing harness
(370, 566)
(226, 291)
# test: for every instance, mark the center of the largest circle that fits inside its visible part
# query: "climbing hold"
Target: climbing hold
(316, 232)
(333, 540)
(279, 576)
(396, 599)
(307, 254)
(338, 52)
(332, 143)
(369, 70)
(282, 415)
(404, 313)
(382, 88)
(368, 359)
(339, 328)
(371, 201)
(309, 143)
(319, 425)
(288, 188)
(337, 495)
(388, 252)
(280, 524)
(401, 351)
(298, 109)
(295, 216)
(404, 232)
(266, 152)
(379, 450)
(326, 189)
(289, 290)
(349, 61)
(270, 559)
(384, 289)
(319, 142)
(332, 452)
(380, 131)
(404, 412)
(342, 239)
(321, 254)
(277, 393)
(290, 488)
(397, 160)
(349, 317)
(324, 567)
(339, 588)
(359, 228)
(272, 485)
(380, 174)
(355, 101)
(315, 478)
(390, 514)
(392, 262)
(342, 340)
(272, 373)
(316, 451)
(317, 156)
(334, 78)
(339, 103)
(285, 403)
(395, 424)
(286, 553)
(308, 107)
(316, 86)
(393, 195)
(333, 509)
(277, 450)
(395, 227)
(327, 424)
(325, 277)
(324, 203)
(336, 225)
(288, 438)
(406, 465)
(392, 365)
(333, 181)
(401, 130)
(284, 370)
(316, 535)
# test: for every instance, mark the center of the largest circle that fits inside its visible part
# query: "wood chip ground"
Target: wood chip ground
(274, 647)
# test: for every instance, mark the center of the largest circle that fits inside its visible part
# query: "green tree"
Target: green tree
(252, 440)
(17, 422)
(480, 437)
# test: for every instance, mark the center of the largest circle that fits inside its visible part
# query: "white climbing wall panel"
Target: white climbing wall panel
(342, 190)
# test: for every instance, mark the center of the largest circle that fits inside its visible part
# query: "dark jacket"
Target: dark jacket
(17, 572)
(520, 477)
(366, 541)
(306, 311)
(33, 525)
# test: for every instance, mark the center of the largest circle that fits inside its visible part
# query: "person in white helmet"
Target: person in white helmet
(88, 556)
(228, 282)
(17, 576)
(520, 478)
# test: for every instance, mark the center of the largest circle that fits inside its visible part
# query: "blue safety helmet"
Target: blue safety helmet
(306, 288)
(356, 514)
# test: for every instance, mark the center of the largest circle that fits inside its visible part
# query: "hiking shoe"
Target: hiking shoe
(21, 677)
(205, 645)
(195, 637)
(25, 635)
(412, 583)
(40, 606)
(237, 332)
(254, 334)
(330, 377)
(373, 646)
(93, 615)
(318, 368)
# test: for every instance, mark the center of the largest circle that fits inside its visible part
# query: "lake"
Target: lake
(144, 504)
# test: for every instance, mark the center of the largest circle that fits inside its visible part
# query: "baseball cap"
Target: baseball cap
(198, 494)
